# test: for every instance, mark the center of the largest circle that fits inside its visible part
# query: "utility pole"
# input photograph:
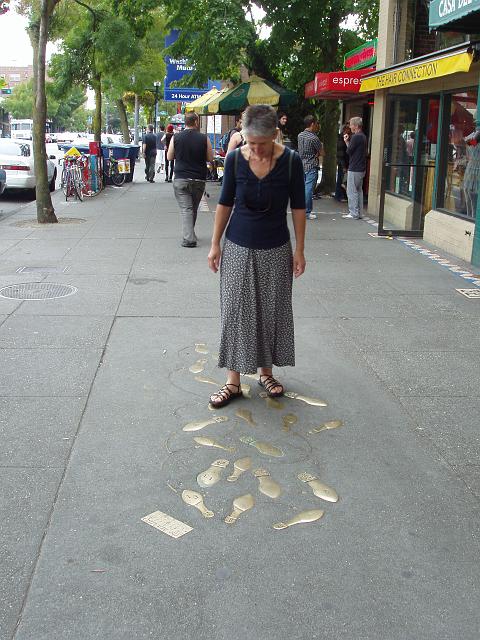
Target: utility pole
(156, 85)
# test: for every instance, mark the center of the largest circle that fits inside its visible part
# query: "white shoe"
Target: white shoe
(311, 216)
(348, 215)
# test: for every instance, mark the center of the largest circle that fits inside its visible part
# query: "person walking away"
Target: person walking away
(191, 151)
(310, 150)
(161, 149)
(256, 263)
(149, 149)
(169, 164)
(357, 165)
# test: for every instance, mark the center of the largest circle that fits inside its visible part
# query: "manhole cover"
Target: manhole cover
(37, 291)
(34, 223)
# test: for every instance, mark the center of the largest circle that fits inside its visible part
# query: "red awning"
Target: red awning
(336, 85)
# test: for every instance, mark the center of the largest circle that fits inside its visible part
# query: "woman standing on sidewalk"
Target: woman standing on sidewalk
(256, 265)
(169, 164)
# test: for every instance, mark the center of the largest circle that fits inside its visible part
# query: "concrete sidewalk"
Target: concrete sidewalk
(95, 388)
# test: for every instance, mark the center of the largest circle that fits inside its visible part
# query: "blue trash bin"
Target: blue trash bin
(119, 151)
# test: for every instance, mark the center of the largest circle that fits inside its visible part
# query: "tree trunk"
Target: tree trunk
(136, 118)
(39, 38)
(329, 128)
(97, 117)
(123, 120)
(329, 132)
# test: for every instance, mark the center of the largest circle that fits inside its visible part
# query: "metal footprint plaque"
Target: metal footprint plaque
(319, 489)
(312, 515)
(195, 499)
(315, 402)
(201, 424)
(240, 505)
(239, 467)
(212, 475)
(267, 485)
(266, 448)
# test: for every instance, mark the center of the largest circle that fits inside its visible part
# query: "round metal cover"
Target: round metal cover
(37, 291)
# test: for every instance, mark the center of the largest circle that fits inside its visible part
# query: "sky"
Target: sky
(15, 46)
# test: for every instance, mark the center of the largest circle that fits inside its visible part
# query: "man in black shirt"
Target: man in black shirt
(357, 164)
(191, 151)
(149, 149)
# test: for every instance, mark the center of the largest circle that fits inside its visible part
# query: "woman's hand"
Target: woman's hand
(214, 257)
(298, 263)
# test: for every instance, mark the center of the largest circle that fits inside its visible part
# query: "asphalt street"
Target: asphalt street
(104, 387)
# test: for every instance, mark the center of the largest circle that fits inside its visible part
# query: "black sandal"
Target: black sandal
(226, 395)
(270, 383)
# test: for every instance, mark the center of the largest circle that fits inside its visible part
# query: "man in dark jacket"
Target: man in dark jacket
(149, 149)
(342, 165)
(357, 165)
(191, 151)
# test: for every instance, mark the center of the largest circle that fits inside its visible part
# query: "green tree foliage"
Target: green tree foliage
(61, 109)
(304, 37)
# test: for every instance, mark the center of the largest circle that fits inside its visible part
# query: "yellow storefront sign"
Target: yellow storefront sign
(436, 68)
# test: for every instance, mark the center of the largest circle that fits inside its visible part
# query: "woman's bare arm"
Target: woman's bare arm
(222, 216)
(299, 223)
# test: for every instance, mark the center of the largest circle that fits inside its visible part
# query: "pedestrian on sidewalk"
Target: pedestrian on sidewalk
(342, 164)
(357, 165)
(236, 138)
(161, 148)
(256, 263)
(191, 150)
(169, 164)
(310, 150)
(149, 149)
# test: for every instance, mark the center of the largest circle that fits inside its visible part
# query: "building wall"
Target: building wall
(15, 75)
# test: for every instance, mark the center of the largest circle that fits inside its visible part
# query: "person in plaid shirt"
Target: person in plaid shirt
(310, 150)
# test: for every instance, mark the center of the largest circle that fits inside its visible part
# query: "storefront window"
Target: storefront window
(463, 161)
(400, 146)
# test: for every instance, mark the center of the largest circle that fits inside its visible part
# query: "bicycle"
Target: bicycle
(111, 170)
(72, 176)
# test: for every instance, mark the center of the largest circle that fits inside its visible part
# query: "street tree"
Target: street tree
(302, 38)
(61, 110)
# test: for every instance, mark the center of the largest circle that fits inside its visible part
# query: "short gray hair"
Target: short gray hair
(259, 120)
(356, 121)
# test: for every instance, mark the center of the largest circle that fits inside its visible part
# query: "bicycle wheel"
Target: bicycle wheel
(78, 183)
(64, 184)
(68, 188)
(117, 178)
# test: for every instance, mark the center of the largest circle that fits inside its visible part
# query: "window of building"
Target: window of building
(400, 145)
(15, 77)
(463, 156)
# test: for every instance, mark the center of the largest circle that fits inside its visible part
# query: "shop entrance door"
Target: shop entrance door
(409, 155)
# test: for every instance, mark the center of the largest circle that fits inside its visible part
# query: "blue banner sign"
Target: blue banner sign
(176, 69)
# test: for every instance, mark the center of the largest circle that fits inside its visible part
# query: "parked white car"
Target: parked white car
(16, 158)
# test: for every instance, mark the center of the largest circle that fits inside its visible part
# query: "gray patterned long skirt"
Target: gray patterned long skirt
(256, 308)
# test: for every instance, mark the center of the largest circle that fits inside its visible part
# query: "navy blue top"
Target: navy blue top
(357, 152)
(259, 216)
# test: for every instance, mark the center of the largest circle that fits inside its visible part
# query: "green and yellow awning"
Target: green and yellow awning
(254, 91)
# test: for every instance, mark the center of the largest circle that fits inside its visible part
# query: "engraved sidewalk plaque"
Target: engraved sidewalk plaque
(165, 523)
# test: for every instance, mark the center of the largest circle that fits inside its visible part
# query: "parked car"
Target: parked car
(3, 181)
(16, 159)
